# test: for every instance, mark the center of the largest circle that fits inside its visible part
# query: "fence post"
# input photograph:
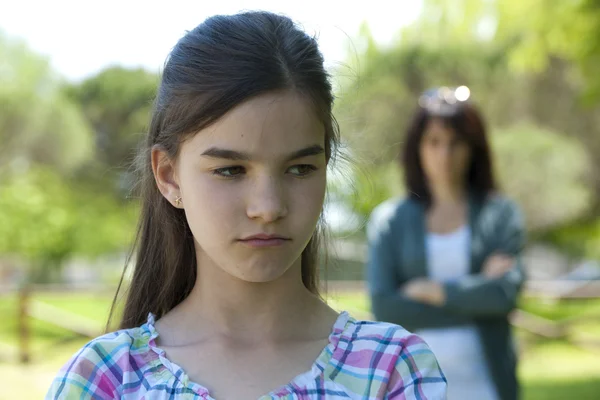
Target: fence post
(24, 331)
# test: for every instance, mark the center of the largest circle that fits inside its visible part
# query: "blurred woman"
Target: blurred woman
(445, 262)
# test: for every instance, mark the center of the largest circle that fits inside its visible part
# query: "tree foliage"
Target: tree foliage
(534, 109)
(45, 220)
(38, 124)
(51, 207)
(116, 102)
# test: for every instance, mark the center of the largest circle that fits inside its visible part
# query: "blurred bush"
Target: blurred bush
(544, 172)
(46, 219)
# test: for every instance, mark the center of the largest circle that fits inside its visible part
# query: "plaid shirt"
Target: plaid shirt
(363, 360)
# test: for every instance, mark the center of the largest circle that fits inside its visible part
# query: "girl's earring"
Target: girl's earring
(178, 201)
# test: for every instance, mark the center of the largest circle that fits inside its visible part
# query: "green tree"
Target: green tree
(48, 212)
(543, 170)
(543, 29)
(468, 42)
(117, 104)
(45, 219)
(38, 124)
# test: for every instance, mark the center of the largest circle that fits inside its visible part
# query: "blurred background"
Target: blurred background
(76, 84)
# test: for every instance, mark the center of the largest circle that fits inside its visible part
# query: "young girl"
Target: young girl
(445, 261)
(224, 298)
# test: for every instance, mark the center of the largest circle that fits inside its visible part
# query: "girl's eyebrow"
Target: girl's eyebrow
(215, 152)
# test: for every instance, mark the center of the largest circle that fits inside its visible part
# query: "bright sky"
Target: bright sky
(81, 37)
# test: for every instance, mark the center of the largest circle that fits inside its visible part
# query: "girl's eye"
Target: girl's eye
(302, 169)
(229, 172)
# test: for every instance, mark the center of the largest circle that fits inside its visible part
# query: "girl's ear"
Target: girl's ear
(164, 169)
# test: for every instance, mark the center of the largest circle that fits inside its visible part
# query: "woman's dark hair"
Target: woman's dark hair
(220, 64)
(468, 124)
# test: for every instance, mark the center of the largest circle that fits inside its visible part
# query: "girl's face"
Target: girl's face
(252, 186)
(445, 157)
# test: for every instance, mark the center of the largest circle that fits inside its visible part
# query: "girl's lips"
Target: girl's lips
(274, 242)
(264, 240)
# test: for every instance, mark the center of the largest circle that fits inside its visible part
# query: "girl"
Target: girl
(224, 299)
(446, 261)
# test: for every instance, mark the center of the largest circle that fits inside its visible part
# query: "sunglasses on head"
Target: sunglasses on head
(444, 101)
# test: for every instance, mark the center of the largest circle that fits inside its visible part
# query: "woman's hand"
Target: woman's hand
(431, 292)
(497, 265)
(425, 291)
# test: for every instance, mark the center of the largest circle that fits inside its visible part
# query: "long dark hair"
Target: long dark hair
(468, 124)
(223, 62)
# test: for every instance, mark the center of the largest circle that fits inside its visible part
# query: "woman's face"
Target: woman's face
(445, 157)
(260, 170)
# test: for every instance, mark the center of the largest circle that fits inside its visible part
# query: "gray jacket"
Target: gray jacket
(397, 254)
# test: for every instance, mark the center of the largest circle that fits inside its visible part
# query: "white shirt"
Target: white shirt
(458, 349)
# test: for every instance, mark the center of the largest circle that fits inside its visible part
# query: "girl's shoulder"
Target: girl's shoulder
(381, 341)
(388, 359)
(101, 367)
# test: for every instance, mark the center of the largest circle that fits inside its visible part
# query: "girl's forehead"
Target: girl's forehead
(270, 124)
(272, 109)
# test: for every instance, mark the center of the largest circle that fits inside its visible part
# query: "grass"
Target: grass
(563, 310)
(549, 369)
(94, 307)
(556, 370)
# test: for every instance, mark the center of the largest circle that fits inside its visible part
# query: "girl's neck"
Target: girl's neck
(223, 305)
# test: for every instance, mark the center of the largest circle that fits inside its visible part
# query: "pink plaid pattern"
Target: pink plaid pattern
(363, 360)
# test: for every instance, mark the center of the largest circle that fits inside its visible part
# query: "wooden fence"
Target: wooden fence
(553, 291)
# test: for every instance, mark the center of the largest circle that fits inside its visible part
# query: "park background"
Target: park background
(76, 84)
